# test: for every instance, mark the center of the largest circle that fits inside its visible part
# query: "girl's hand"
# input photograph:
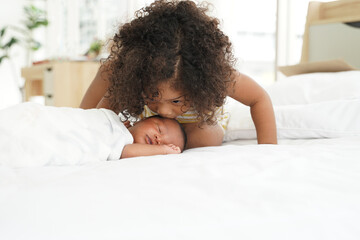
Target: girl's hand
(171, 149)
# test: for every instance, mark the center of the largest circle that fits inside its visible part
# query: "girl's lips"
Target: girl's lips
(148, 140)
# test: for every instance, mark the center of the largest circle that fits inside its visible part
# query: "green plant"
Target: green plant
(34, 18)
(95, 48)
(5, 46)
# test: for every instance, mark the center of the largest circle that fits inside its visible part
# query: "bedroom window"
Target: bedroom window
(252, 31)
(265, 34)
(76, 24)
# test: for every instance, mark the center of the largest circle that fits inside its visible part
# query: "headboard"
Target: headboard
(332, 31)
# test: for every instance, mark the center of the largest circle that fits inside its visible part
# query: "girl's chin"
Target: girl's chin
(171, 117)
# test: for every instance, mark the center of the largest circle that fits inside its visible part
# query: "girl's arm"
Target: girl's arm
(94, 96)
(140, 149)
(248, 92)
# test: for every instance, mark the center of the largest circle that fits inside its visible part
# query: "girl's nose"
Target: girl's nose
(164, 111)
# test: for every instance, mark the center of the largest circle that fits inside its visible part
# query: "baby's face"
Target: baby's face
(158, 131)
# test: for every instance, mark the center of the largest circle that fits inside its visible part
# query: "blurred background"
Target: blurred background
(36, 35)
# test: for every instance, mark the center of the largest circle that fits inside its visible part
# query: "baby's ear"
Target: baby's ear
(127, 124)
(136, 122)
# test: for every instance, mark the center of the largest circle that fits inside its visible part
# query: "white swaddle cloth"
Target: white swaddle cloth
(36, 135)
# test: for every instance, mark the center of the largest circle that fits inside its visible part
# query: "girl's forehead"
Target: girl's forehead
(167, 86)
(167, 91)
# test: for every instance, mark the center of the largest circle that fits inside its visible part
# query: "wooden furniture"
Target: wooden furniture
(63, 84)
(331, 38)
(327, 36)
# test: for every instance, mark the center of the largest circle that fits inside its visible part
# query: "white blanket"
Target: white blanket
(35, 135)
(305, 189)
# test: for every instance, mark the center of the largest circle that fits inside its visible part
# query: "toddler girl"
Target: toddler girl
(173, 60)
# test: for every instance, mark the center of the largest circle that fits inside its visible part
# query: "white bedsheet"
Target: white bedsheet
(304, 189)
(36, 135)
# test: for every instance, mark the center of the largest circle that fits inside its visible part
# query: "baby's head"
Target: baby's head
(158, 130)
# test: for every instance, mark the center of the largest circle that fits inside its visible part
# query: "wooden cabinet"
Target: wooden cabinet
(63, 84)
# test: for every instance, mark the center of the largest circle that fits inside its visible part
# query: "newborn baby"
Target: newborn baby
(155, 135)
(36, 135)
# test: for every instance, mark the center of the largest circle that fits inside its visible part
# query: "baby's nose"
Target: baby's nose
(158, 139)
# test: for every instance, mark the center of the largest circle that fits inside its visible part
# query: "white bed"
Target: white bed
(300, 189)
(306, 187)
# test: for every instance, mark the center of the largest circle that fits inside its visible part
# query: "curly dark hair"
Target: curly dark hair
(170, 40)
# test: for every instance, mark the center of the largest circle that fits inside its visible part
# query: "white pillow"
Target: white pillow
(315, 87)
(328, 119)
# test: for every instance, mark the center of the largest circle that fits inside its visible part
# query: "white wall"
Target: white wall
(10, 79)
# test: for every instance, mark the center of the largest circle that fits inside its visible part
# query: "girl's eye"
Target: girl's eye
(155, 94)
(176, 101)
